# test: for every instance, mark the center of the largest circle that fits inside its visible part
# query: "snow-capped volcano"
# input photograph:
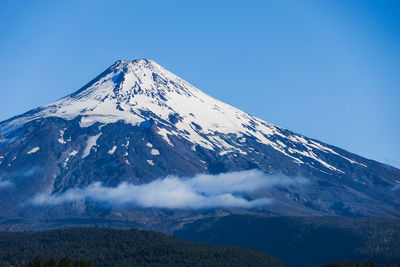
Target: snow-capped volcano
(139, 90)
(137, 122)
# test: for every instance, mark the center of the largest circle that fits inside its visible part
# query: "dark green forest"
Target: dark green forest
(358, 264)
(105, 247)
(296, 241)
(63, 262)
(303, 241)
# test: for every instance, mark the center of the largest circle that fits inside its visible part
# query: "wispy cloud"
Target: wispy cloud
(5, 184)
(396, 187)
(201, 191)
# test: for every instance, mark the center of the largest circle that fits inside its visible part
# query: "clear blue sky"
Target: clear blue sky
(326, 69)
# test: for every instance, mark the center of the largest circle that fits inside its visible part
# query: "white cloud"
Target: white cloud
(201, 191)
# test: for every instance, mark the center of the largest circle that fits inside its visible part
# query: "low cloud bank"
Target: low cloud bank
(5, 184)
(201, 191)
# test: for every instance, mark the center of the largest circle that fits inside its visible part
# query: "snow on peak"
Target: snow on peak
(135, 91)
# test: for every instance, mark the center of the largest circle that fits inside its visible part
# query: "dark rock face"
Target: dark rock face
(146, 134)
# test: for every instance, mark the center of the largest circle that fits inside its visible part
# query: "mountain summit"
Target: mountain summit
(141, 90)
(137, 122)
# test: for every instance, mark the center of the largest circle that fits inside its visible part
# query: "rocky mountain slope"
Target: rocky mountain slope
(137, 122)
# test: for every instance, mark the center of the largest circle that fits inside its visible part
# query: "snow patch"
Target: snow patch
(73, 153)
(92, 141)
(312, 155)
(112, 150)
(328, 150)
(61, 139)
(66, 162)
(155, 152)
(163, 132)
(33, 150)
(281, 143)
